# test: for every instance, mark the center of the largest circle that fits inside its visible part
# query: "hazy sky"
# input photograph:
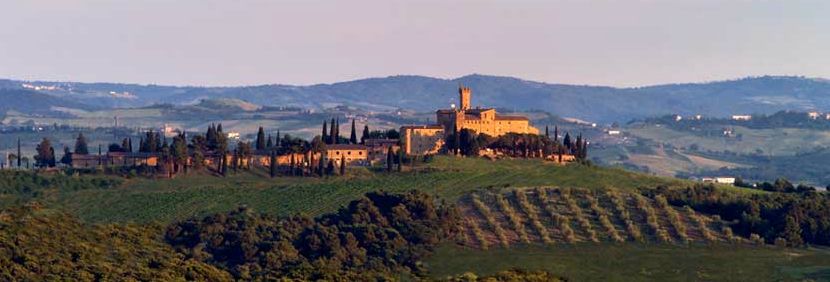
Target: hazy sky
(203, 42)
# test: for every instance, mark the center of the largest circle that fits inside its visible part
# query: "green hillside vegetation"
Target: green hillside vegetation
(448, 178)
(639, 262)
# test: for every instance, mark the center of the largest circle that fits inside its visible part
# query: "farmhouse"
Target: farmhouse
(353, 154)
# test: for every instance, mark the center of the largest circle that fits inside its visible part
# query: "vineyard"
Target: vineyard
(555, 216)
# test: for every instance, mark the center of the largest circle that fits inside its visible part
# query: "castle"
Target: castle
(428, 139)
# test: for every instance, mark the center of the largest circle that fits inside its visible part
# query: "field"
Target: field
(640, 262)
(565, 215)
(448, 178)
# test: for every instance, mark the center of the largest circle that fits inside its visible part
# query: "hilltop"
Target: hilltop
(764, 94)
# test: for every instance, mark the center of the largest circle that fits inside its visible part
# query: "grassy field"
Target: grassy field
(145, 200)
(638, 262)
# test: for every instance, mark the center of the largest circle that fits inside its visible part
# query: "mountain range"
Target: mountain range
(765, 94)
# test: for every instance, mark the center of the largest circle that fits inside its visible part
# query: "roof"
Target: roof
(501, 117)
(431, 126)
(379, 141)
(345, 147)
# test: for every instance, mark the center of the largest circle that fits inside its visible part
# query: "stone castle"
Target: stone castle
(428, 139)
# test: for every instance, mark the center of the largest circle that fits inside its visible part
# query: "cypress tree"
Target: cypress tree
(270, 143)
(325, 136)
(365, 134)
(81, 147)
(320, 164)
(278, 142)
(353, 136)
(400, 160)
(342, 165)
(330, 168)
(337, 131)
(389, 159)
(547, 133)
(19, 158)
(224, 161)
(332, 132)
(260, 139)
(293, 163)
(273, 162)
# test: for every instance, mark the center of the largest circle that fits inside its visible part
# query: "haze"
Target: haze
(618, 43)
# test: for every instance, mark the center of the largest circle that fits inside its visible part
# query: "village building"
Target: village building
(353, 154)
(378, 148)
(422, 140)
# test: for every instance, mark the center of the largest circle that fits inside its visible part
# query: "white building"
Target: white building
(742, 117)
(719, 180)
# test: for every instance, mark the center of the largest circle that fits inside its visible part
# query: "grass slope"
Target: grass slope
(638, 262)
(144, 200)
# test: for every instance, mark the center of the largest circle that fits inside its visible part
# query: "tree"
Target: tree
(125, 145)
(567, 141)
(330, 168)
(273, 164)
(353, 136)
(365, 134)
(342, 165)
(270, 143)
(179, 152)
(337, 131)
(400, 160)
(45, 154)
(19, 154)
(547, 133)
(81, 147)
(390, 159)
(278, 142)
(67, 156)
(260, 139)
(224, 164)
(325, 136)
(332, 132)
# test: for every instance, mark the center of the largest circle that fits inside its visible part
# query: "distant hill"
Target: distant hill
(766, 94)
(33, 102)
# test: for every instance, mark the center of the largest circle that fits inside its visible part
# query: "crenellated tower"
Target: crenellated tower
(464, 95)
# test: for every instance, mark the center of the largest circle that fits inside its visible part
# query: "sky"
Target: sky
(209, 42)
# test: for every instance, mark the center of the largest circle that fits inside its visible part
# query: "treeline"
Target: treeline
(376, 238)
(789, 119)
(796, 219)
(44, 245)
(466, 142)
(371, 239)
(27, 184)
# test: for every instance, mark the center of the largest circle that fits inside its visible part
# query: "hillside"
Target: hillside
(593, 103)
(32, 102)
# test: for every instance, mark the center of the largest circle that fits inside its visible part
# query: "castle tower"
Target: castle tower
(464, 94)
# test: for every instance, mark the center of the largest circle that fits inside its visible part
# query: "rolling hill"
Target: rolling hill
(765, 94)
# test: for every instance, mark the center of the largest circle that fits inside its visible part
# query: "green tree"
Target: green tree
(390, 159)
(332, 132)
(260, 139)
(365, 134)
(81, 147)
(330, 167)
(67, 156)
(353, 136)
(273, 164)
(342, 165)
(45, 154)
(179, 151)
(325, 135)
